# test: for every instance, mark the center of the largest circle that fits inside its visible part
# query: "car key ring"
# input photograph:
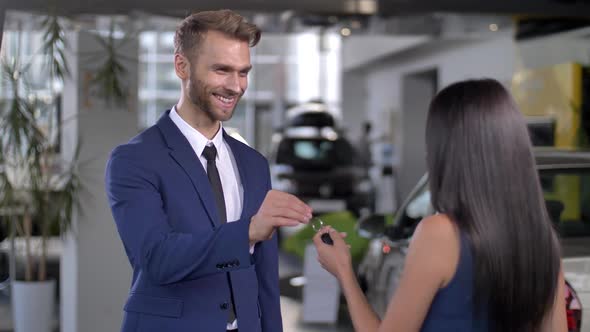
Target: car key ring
(317, 224)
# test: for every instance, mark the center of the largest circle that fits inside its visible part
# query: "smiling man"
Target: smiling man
(193, 206)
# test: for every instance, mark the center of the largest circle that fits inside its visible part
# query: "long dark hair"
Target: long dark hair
(482, 174)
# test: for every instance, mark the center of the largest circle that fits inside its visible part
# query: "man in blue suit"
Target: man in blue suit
(193, 206)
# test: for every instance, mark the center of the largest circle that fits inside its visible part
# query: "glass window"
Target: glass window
(567, 196)
(418, 207)
(25, 46)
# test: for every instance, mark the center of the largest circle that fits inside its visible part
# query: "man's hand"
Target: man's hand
(278, 209)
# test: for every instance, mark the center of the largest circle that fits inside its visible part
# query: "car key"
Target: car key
(317, 224)
(327, 239)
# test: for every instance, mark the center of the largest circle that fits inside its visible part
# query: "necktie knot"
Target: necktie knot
(210, 152)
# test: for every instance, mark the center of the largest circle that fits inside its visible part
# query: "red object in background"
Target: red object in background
(386, 248)
(573, 309)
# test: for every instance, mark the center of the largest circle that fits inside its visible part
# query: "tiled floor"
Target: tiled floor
(5, 314)
(291, 302)
(290, 310)
(292, 323)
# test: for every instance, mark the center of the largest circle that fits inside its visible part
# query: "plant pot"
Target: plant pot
(33, 306)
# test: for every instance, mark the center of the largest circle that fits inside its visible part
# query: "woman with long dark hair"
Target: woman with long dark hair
(489, 260)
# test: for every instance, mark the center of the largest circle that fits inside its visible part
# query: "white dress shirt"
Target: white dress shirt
(233, 191)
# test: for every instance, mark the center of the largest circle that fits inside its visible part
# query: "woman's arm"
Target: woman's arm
(336, 260)
(431, 263)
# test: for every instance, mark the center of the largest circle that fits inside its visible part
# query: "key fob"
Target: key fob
(327, 239)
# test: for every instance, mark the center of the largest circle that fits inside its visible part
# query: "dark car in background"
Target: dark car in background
(312, 159)
(565, 180)
(313, 114)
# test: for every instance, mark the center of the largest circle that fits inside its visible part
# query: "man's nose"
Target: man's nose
(232, 83)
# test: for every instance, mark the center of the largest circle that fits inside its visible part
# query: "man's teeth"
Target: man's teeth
(224, 99)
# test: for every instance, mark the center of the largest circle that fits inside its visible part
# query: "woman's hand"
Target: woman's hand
(334, 258)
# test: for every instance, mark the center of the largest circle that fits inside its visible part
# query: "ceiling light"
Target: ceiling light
(345, 32)
(493, 27)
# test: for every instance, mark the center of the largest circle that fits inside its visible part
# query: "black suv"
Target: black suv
(313, 160)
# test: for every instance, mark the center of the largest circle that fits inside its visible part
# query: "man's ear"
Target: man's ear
(182, 66)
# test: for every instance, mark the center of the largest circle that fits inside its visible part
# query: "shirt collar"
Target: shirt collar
(197, 140)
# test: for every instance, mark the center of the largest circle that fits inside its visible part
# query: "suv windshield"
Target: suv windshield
(314, 153)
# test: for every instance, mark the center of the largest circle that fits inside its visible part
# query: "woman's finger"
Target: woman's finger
(336, 236)
(317, 238)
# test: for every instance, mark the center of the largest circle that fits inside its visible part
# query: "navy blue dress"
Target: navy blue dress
(452, 309)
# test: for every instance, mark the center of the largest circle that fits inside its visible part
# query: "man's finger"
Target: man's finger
(284, 222)
(282, 199)
(295, 206)
(289, 213)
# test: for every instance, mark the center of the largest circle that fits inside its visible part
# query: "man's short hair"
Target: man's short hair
(191, 30)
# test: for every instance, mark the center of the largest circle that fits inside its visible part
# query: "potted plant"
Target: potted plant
(38, 189)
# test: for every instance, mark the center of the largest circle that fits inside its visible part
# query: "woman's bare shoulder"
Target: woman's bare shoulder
(437, 238)
(438, 226)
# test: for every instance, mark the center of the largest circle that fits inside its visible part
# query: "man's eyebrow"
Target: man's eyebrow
(228, 67)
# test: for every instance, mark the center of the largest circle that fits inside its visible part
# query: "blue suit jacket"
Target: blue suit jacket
(180, 253)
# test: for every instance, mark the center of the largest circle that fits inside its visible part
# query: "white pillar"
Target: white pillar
(95, 273)
(2, 14)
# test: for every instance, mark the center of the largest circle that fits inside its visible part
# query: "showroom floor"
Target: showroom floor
(290, 304)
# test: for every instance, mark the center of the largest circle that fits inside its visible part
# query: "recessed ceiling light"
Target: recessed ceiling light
(345, 32)
(493, 27)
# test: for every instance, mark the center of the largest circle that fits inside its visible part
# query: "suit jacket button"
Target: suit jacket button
(224, 306)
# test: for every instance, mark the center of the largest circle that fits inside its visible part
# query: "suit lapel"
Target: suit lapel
(182, 152)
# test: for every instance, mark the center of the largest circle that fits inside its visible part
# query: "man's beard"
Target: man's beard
(200, 95)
